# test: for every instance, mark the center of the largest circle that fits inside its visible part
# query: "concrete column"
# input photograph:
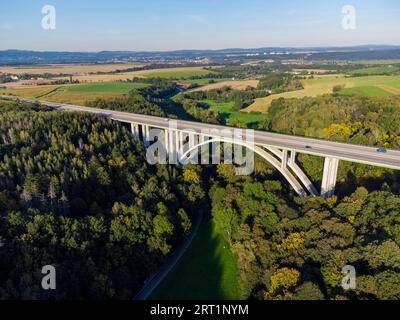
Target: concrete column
(171, 141)
(284, 159)
(177, 144)
(205, 149)
(292, 159)
(144, 134)
(329, 178)
(148, 134)
(166, 142)
(181, 136)
(172, 147)
(191, 140)
(135, 130)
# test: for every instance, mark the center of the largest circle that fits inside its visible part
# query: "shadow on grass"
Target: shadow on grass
(207, 270)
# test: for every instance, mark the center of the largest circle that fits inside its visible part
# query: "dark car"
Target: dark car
(308, 147)
(382, 150)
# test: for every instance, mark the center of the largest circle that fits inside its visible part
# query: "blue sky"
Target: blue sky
(94, 25)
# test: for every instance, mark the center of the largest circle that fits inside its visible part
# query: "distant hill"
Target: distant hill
(317, 53)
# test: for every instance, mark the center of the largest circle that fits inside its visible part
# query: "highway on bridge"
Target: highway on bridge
(318, 147)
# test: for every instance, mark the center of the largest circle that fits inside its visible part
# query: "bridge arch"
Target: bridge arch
(280, 166)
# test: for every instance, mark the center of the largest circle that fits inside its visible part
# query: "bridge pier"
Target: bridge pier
(177, 144)
(205, 149)
(181, 143)
(166, 141)
(146, 134)
(174, 141)
(191, 140)
(284, 159)
(171, 145)
(174, 146)
(329, 177)
(135, 131)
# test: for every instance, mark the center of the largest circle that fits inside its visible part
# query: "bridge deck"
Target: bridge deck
(318, 147)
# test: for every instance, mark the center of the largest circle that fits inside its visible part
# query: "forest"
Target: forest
(76, 192)
(359, 120)
(289, 248)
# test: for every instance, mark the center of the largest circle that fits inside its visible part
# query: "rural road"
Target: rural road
(153, 282)
(318, 147)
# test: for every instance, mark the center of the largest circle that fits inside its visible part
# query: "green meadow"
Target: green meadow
(229, 115)
(174, 73)
(376, 70)
(106, 87)
(206, 271)
(366, 91)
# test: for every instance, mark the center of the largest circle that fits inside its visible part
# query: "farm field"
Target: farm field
(310, 70)
(214, 265)
(172, 73)
(376, 71)
(366, 91)
(114, 87)
(369, 86)
(75, 94)
(237, 85)
(377, 62)
(228, 115)
(201, 82)
(67, 68)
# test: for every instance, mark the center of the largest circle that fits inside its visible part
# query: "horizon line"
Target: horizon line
(220, 49)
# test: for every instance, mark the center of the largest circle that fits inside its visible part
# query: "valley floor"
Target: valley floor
(206, 271)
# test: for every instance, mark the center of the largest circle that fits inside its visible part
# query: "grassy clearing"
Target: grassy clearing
(237, 85)
(366, 91)
(174, 73)
(31, 93)
(386, 85)
(75, 94)
(377, 62)
(376, 71)
(113, 87)
(206, 271)
(228, 115)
